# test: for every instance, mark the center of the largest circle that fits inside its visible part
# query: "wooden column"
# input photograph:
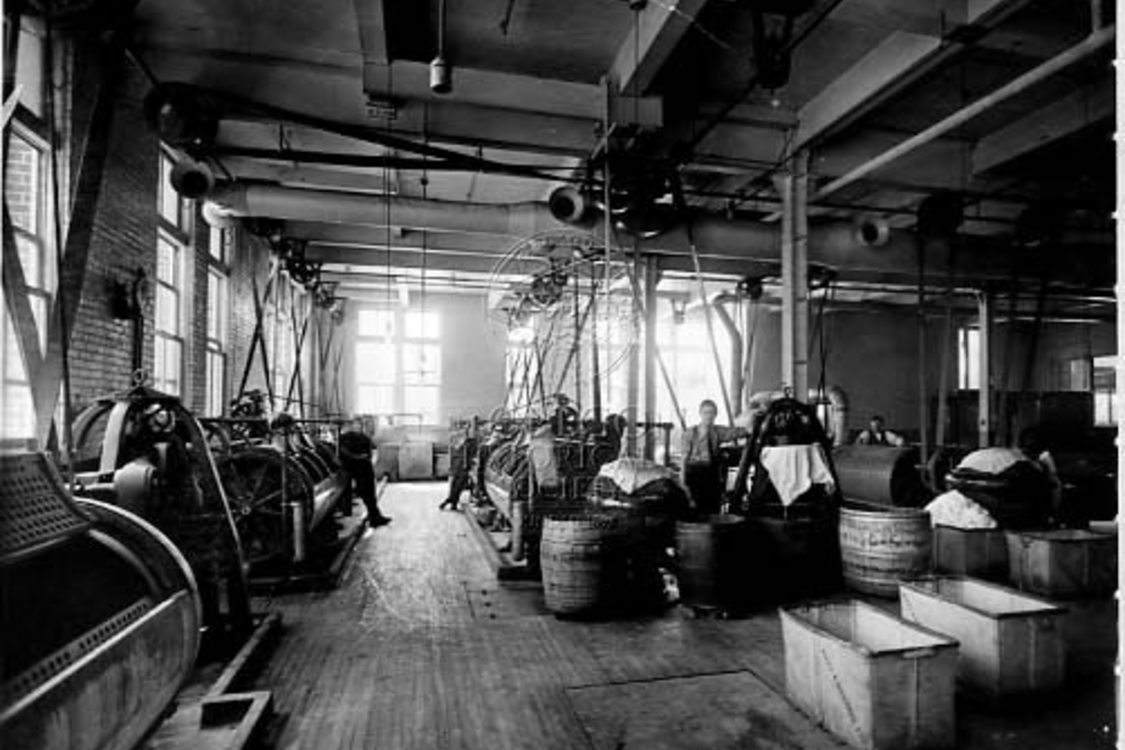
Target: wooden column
(793, 187)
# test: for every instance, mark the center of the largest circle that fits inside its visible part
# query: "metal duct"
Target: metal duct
(837, 245)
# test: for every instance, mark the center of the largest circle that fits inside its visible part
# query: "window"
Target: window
(218, 315)
(27, 196)
(1105, 390)
(968, 358)
(174, 208)
(398, 363)
(173, 239)
(686, 349)
(169, 340)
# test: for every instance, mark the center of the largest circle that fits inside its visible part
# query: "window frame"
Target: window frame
(399, 384)
(162, 338)
(40, 285)
(217, 336)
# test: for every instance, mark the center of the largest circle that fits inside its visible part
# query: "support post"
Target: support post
(984, 404)
(633, 379)
(793, 187)
(651, 278)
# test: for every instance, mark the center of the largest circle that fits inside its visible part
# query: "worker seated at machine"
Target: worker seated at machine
(877, 434)
(462, 451)
(701, 471)
(356, 452)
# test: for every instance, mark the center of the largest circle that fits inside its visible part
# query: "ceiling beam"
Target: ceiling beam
(373, 239)
(308, 176)
(1091, 45)
(375, 261)
(901, 59)
(372, 21)
(336, 94)
(1085, 107)
(508, 91)
(650, 41)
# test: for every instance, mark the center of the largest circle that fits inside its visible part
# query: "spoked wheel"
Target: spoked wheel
(259, 483)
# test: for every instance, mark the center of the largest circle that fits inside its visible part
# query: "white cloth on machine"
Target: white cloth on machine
(992, 460)
(955, 509)
(793, 469)
(631, 473)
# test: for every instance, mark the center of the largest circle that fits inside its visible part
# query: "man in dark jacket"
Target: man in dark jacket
(462, 450)
(356, 455)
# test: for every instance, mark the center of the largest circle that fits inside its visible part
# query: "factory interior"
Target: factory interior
(597, 374)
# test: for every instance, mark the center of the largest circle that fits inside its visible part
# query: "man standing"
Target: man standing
(877, 434)
(700, 468)
(462, 449)
(356, 453)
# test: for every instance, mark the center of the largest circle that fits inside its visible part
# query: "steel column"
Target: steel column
(651, 278)
(984, 403)
(793, 187)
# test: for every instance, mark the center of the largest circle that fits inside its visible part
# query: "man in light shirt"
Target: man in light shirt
(701, 472)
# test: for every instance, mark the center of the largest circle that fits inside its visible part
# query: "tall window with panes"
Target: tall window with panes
(398, 363)
(218, 318)
(27, 198)
(172, 243)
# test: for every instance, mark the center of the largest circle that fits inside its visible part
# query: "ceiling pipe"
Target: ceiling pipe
(837, 245)
(1087, 47)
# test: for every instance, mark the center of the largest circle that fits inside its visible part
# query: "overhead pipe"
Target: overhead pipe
(842, 245)
(1093, 43)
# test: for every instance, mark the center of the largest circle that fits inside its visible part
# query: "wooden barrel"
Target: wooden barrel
(712, 560)
(879, 546)
(580, 563)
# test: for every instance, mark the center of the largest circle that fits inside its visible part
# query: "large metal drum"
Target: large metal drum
(879, 474)
(101, 623)
(880, 546)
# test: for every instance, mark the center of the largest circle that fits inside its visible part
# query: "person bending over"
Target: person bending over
(356, 452)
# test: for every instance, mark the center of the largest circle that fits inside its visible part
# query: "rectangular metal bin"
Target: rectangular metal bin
(980, 553)
(873, 679)
(1011, 643)
(1068, 563)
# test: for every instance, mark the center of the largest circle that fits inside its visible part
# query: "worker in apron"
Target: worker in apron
(701, 471)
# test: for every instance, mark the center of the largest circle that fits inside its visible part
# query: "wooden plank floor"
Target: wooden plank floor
(420, 647)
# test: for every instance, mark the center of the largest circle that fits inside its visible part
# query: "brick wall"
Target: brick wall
(123, 240)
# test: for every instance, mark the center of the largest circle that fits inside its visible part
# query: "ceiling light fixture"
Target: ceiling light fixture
(441, 74)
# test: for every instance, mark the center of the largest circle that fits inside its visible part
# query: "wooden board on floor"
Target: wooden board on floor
(728, 710)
